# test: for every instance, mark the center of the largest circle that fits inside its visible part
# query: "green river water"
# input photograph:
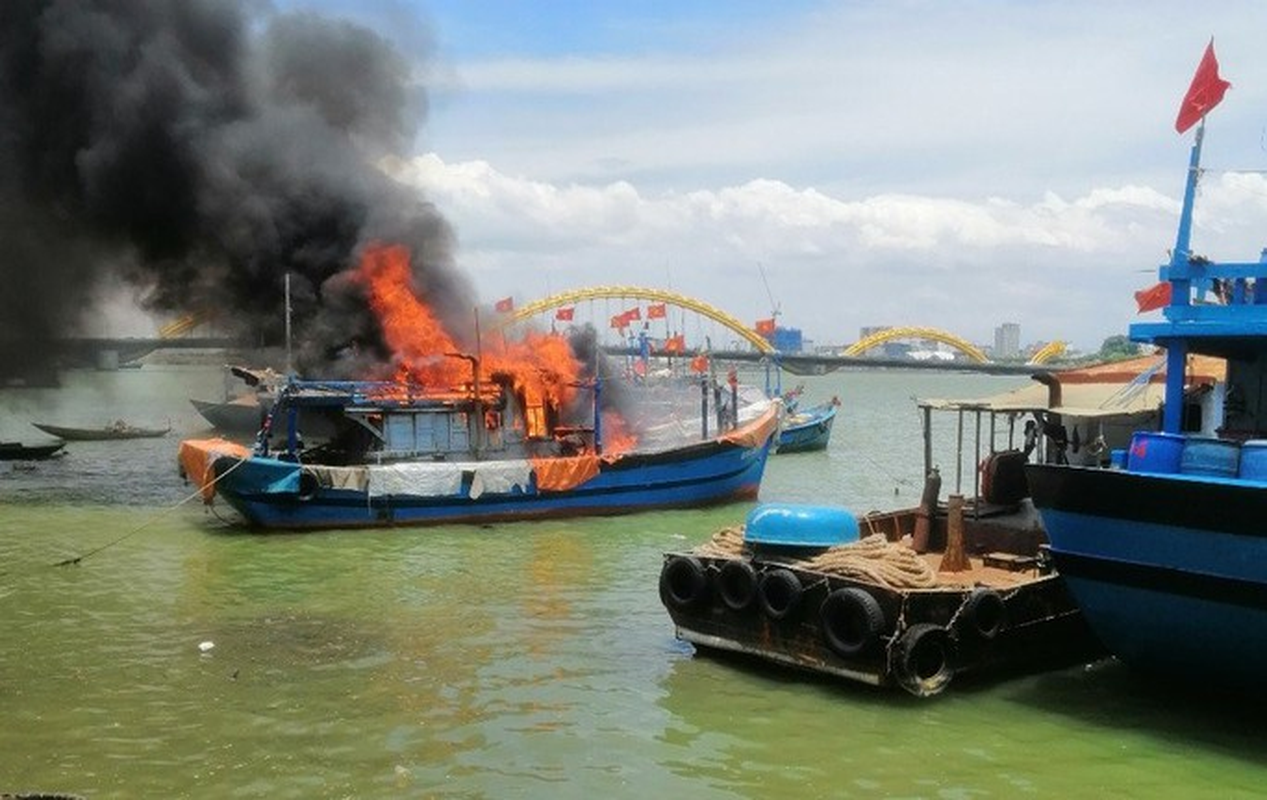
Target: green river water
(520, 660)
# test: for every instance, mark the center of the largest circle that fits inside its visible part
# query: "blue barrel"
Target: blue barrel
(1155, 451)
(800, 525)
(1205, 455)
(1254, 460)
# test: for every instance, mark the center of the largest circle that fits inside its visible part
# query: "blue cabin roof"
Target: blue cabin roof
(1234, 326)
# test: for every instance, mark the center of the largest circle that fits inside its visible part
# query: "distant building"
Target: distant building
(1007, 340)
(787, 340)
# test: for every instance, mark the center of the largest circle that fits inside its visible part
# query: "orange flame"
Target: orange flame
(617, 438)
(540, 366)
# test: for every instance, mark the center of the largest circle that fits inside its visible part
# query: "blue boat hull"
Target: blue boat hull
(814, 433)
(267, 492)
(1170, 570)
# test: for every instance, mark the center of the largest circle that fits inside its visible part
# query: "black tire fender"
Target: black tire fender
(683, 582)
(983, 614)
(924, 659)
(852, 621)
(308, 485)
(737, 584)
(780, 592)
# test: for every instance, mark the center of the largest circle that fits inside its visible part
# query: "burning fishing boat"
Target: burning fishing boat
(510, 431)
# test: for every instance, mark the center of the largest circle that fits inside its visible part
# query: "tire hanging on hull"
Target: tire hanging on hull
(683, 582)
(851, 621)
(779, 591)
(922, 659)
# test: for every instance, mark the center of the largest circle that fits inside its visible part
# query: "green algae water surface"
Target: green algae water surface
(185, 658)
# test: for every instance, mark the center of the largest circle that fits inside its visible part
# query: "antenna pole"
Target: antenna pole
(774, 307)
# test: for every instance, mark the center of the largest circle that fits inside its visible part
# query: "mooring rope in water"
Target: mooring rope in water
(154, 518)
(897, 480)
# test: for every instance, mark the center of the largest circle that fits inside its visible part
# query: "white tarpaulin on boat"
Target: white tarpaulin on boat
(436, 479)
(442, 478)
(339, 477)
(500, 477)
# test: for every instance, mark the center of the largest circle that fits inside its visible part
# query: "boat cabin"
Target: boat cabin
(387, 421)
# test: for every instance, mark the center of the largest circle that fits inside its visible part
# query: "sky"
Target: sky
(907, 162)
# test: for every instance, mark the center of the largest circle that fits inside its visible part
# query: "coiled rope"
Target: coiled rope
(877, 560)
(873, 559)
(725, 543)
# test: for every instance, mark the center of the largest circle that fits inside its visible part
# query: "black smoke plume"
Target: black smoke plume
(198, 151)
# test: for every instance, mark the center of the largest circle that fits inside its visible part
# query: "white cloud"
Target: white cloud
(1063, 268)
(957, 165)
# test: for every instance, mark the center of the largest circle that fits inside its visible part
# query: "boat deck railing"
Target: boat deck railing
(380, 394)
(1210, 300)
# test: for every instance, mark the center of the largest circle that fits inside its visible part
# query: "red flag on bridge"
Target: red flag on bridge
(657, 311)
(765, 327)
(1153, 297)
(1205, 92)
(675, 344)
(565, 314)
(633, 315)
(505, 305)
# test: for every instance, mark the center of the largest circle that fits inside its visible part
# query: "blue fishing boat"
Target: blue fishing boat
(809, 429)
(1167, 556)
(405, 455)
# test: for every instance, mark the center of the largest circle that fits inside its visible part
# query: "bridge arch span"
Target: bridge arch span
(1047, 352)
(912, 332)
(643, 293)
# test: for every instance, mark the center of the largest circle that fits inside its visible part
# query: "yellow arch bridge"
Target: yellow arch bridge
(748, 334)
(574, 296)
(906, 332)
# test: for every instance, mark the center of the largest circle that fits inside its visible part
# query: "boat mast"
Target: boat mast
(1179, 273)
(774, 315)
(290, 370)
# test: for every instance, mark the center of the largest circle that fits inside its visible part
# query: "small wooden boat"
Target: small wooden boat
(115, 430)
(16, 451)
(239, 416)
(808, 430)
(243, 414)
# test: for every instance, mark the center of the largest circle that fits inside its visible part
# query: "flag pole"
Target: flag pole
(1179, 273)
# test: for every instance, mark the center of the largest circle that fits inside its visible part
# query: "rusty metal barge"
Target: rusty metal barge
(909, 598)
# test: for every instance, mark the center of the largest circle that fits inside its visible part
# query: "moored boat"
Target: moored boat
(911, 597)
(241, 416)
(17, 451)
(1166, 555)
(242, 413)
(979, 598)
(114, 430)
(808, 429)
